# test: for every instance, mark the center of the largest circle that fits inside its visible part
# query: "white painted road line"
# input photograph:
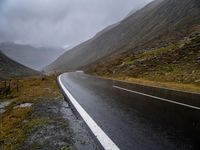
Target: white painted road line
(159, 98)
(105, 141)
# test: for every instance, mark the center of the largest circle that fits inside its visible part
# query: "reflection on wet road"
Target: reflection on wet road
(138, 121)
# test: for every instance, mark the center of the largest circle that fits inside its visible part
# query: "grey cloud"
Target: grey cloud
(59, 22)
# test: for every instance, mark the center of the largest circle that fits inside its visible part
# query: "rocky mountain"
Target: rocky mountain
(158, 24)
(11, 69)
(30, 56)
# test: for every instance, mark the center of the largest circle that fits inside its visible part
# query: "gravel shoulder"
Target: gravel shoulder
(62, 130)
(39, 118)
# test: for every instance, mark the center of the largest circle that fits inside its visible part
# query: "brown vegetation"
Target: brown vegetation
(17, 122)
(174, 64)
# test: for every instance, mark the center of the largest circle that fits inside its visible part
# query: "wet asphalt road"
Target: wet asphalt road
(134, 121)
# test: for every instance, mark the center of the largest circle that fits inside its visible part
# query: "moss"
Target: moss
(65, 148)
(36, 123)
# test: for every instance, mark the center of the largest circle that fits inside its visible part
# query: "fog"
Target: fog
(60, 22)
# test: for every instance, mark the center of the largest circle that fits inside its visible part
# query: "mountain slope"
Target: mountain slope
(158, 24)
(178, 63)
(30, 56)
(10, 68)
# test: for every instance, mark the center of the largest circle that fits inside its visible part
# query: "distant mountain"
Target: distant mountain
(30, 56)
(159, 23)
(11, 69)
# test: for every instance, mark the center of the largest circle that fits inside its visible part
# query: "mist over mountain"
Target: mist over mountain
(59, 22)
(30, 56)
(32, 32)
(158, 24)
(10, 69)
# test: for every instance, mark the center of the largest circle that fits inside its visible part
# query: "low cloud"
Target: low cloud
(59, 22)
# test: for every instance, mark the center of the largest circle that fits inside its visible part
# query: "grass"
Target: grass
(65, 148)
(156, 52)
(175, 66)
(36, 123)
(16, 123)
(170, 85)
(45, 87)
(11, 123)
(8, 89)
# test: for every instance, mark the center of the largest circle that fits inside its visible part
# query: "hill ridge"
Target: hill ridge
(159, 23)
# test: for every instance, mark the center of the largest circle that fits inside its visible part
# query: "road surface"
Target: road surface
(134, 117)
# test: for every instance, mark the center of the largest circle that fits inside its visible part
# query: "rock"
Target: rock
(23, 105)
(3, 105)
(132, 66)
(197, 81)
(175, 62)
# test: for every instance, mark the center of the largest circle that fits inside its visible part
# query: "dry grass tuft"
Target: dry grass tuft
(16, 122)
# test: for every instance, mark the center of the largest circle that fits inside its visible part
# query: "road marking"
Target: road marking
(105, 141)
(159, 98)
(140, 84)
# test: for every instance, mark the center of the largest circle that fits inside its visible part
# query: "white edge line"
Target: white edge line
(163, 99)
(146, 85)
(105, 141)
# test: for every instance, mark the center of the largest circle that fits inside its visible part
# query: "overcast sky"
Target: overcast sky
(59, 22)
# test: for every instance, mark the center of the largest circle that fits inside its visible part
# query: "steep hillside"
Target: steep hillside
(30, 56)
(178, 63)
(10, 68)
(158, 24)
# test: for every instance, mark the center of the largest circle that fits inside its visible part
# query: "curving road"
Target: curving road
(132, 116)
